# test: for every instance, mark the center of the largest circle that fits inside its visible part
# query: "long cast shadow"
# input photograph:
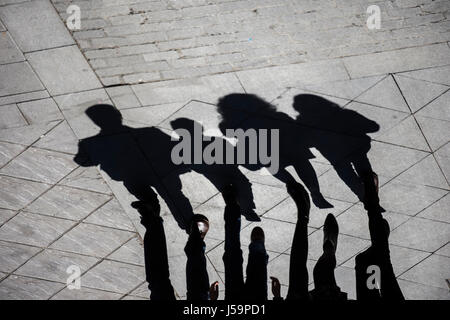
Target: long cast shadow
(340, 135)
(141, 157)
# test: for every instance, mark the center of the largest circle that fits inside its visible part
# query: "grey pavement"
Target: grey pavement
(156, 61)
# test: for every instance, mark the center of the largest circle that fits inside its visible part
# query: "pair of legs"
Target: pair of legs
(155, 249)
(323, 274)
(155, 253)
(255, 287)
(383, 285)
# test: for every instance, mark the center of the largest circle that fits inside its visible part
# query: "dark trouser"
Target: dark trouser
(197, 281)
(255, 287)
(298, 273)
(377, 255)
(323, 272)
(256, 283)
(156, 262)
(232, 256)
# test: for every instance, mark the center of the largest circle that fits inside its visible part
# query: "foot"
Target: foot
(330, 233)
(371, 186)
(251, 215)
(200, 225)
(301, 199)
(320, 202)
(257, 234)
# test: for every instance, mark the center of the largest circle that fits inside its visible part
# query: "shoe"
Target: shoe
(301, 199)
(200, 224)
(330, 232)
(257, 234)
(320, 202)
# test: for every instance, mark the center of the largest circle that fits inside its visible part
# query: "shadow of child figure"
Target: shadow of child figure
(340, 135)
(293, 150)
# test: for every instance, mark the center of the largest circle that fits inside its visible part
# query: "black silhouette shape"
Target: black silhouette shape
(255, 286)
(156, 260)
(293, 149)
(339, 134)
(325, 286)
(155, 249)
(383, 286)
(142, 157)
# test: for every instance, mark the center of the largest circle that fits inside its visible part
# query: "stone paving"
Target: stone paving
(187, 54)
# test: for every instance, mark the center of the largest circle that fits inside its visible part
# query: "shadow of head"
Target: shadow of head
(243, 102)
(105, 116)
(310, 106)
(186, 124)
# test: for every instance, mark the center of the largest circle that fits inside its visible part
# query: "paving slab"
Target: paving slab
(433, 271)
(209, 88)
(114, 276)
(123, 97)
(131, 252)
(111, 215)
(408, 199)
(28, 21)
(69, 203)
(418, 93)
(9, 52)
(92, 240)
(435, 131)
(407, 133)
(18, 78)
(438, 108)
(60, 138)
(26, 135)
(53, 265)
(24, 288)
(85, 294)
(87, 178)
(73, 107)
(394, 61)
(5, 215)
(40, 111)
(17, 193)
(421, 234)
(8, 151)
(34, 229)
(434, 75)
(438, 210)
(63, 70)
(13, 255)
(40, 165)
(417, 291)
(385, 94)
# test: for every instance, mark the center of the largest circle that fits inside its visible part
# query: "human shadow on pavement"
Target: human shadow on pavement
(340, 135)
(141, 158)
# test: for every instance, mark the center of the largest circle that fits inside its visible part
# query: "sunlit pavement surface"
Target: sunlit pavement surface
(160, 60)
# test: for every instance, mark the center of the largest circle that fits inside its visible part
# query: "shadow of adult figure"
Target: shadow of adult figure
(141, 157)
(127, 154)
(293, 150)
(340, 135)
